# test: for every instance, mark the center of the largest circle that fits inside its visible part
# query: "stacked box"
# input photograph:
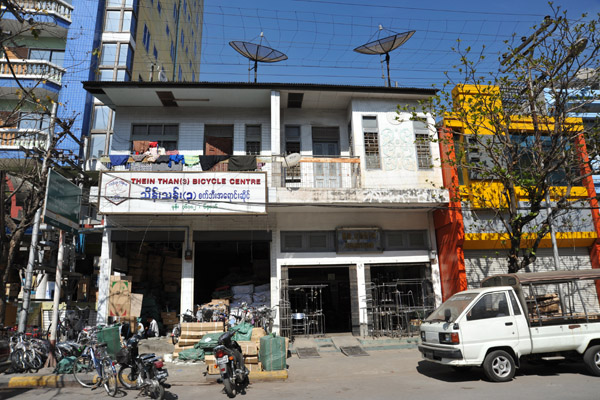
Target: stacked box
(179, 348)
(169, 318)
(192, 332)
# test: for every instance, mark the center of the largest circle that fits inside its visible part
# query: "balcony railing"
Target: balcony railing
(32, 69)
(325, 172)
(56, 7)
(311, 172)
(15, 138)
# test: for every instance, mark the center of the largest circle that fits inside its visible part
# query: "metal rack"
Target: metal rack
(285, 316)
(397, 308)
(307, 309)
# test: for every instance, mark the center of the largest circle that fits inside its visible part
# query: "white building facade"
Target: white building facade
(319, 195)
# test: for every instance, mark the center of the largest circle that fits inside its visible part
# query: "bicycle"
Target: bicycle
(94, 368)
(70, 327)
(28, 355)
(265, 317)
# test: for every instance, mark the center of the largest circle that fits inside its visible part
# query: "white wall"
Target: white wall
(399, 168)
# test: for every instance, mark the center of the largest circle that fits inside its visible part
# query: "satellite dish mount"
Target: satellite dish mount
(384, 46)
(257, 52)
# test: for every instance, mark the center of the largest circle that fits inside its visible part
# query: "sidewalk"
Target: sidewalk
(192, 374)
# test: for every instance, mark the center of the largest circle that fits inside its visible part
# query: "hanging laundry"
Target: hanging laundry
(163, 159)
(175, 159)
(119, 160)
(242, 163)
(207, 162)
(138, 157)
(191, 160)
(140, 146)
(172, 152)
(153, 144)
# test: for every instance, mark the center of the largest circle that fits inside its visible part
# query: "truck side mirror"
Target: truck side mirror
(447, 315)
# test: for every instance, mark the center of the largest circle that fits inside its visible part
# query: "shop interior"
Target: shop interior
(320, 300)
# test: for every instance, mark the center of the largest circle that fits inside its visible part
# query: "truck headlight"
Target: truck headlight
(449, 338)
(422, 336)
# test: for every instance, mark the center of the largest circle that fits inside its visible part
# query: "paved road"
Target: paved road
(390, 374)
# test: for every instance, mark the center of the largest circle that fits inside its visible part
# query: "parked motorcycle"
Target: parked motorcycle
(142, 371)
(234, 375)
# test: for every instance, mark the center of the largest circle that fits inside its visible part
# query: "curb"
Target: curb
(35, 381)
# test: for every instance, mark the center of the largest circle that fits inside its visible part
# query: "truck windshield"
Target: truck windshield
(456, 304)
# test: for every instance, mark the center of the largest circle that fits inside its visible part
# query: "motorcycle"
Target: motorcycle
(142, 371)
(234, 375)
(187, 317)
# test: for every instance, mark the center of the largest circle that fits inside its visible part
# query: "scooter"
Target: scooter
(142, 371)
(234, 375)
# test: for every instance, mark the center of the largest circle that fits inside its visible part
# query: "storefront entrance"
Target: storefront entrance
(320, 299)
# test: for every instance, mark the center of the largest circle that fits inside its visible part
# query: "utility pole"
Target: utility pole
(34, 236)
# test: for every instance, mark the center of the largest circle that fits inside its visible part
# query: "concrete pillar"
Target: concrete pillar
(104, 277)
(187, 277)
(435, 264)
(276, 146)
(362, 299)
(306, 141)
(275, 275)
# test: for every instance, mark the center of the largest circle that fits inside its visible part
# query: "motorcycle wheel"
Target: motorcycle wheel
(229, 388)
(175, 335)
(156, 391)
(128, 377)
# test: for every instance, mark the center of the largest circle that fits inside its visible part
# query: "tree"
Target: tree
(511, 134)
(26, 169)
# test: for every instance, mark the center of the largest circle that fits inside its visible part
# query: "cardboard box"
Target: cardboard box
(135, 309)
(249, 348)
(210, 358)
(251, 360)
(12, 289)
(254, 367)
(213, 369)
(257, 333)
(203, 327)
(188, 342)
(83, 287)
(114, 278)
(218, 302)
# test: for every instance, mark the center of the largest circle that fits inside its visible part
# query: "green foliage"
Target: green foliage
(513, 129)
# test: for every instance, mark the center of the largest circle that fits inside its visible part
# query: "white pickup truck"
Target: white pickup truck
(546, 315)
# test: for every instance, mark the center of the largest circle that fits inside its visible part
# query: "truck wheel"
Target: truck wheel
(591, 358)
(499, 366)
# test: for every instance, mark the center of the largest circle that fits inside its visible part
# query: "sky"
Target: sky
(319, 36)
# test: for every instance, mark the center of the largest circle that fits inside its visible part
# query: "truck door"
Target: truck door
(489, 323)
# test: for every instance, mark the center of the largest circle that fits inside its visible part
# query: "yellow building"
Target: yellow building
(472, 241)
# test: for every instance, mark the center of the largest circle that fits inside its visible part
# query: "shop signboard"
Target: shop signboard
(183, 193)
(63, 203)
(356, 240)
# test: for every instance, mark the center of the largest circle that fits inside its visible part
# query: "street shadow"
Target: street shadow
(528, 368)
(448, 374)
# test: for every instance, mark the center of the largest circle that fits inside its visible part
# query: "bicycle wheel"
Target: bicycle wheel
(109, 377)
(128, 376)
(84, 372)
(17, 360)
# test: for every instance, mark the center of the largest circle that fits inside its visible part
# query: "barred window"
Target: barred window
(371, 139)
(165, 134)
(253, 139)
(423, 145)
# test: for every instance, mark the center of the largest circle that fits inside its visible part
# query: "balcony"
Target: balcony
(322, 173)
(13, 139)
(32, 70)
(53, 7)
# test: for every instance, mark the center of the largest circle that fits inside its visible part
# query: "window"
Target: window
(101, 118)
(159, 7)
(491, 305)
(253, 139)
(182, 38)
(109, 54)
(54, 56)
(97, 144)
(405, 240)
(168, 30)
(292, 139)
(172, 51)
(180, 74)
(423, 145)
(146, 38)
(155, 53)
(113, 21)
(515, 303)
(106, 74)
(175, 12)
(371, 139)
(34, 121)
(165, 134)
(307, 241)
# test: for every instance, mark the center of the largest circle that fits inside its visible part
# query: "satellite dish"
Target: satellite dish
(384, 46)
(257, 52)
(291, 160)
